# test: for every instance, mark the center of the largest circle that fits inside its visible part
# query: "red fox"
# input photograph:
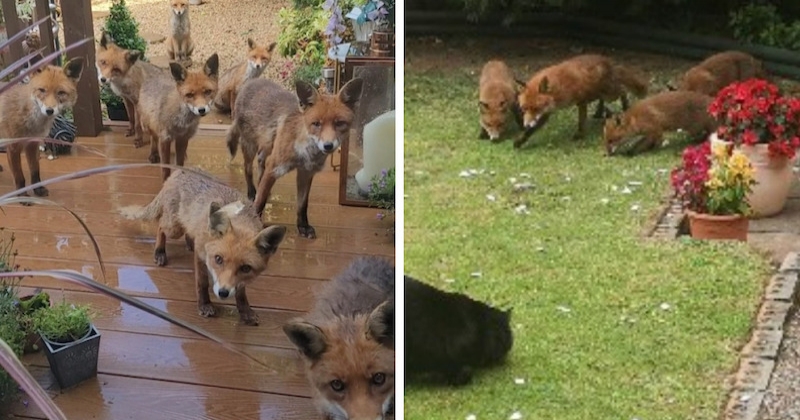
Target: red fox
(498, 97)
(221, 227)
(652, 116)
(180, 45)
(291, 135)
(576, 81)
(28, 110)
(125, 73)
(231, 81)
(170, 108)
(347, 343)
(720, 70)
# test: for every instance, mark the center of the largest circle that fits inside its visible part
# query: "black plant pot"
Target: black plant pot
(74, 362)
(117, 113)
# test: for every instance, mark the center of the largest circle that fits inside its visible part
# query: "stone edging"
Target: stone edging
(758, 356)
(668, 224)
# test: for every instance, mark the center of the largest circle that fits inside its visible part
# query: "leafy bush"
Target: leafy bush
(63, 322)
(302, 34)
(310, 73)
(762, 24)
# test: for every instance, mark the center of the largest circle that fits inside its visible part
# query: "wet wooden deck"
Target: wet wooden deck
(148, 368)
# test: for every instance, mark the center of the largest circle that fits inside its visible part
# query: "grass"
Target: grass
(607, 325)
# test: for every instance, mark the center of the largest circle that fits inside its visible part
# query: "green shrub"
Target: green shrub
(302, 34)
(381, 190)
(310, 73)
(12, 333)
(63, 322)
(762, 24)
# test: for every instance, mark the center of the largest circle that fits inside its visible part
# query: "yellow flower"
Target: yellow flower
(740, 165)
(719, 151)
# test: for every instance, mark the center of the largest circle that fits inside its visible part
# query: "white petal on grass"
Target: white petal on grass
(512, 180)
(635, 183)
(515, 416)
(614, 188)
(566, 198)
(491, 197)
(474, 172)
(635, 207)
(567, 178)
(519, 381)
(492, 172)
(626, 190)
(564, 309)
(449, 280)
(522, 209)
(745, 397)
(540, 248)
(476, 274)
(522, 186)
(464, 174)
(524, 175)
(471, 417)
(604, 200)
(665, 306)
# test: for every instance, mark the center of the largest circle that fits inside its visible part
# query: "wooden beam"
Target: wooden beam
(78, 26)
(42, 10)
(13, 26)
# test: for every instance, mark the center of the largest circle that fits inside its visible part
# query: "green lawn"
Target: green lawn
(607, 325)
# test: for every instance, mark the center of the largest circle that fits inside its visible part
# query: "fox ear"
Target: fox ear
(351, 93)
(380, 324)
(133, 55)
(483, 105)
(74, 68)
(544, 85)
(271, 46)
(211, 69)
(250, 43)
(218, 221)
(309, 339)
(520, 83)
(105, 39)
(617, 120)
(269, 239)
(178, 72)
(306, 93)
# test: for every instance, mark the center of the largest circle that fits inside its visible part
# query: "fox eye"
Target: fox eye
(317, 124)
(62, 93)
(41, 90)
(341, 124)
(190, 96)
(207, 92)
(245, 269)
(379, 378)
(218, 259)
(502, 104)
(337, 385)
(102, 62)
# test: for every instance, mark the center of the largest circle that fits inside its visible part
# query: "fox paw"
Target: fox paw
(189, 243)
(483, 135)
(160, 257)
(249, 318)
(137, 143)
(307, 232)
(251, 193)
(154, 158)
(129, 132)
(207, 310)
(41, 192)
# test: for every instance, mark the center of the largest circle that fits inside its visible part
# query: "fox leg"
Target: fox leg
(582, 111)
(171, 48)
(32, 156)
(154, 142)
(602, 111)
(14, 155)
(232, 102)
(249, 156)
(517, 111)
(246, 313)
(131, 111)
(164, 150)
(189, 242)
(204, 306)
(484, 135)
(304, 178)
(624, 100)
(180, 151)
(265, 184)
(160, 252)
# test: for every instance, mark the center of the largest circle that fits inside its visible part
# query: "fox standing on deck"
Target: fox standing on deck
(347, 343)
(28, 110)
(221, 227)
(294, 131)
(498, 98)
(170, 109)
(577, 81)
(124, 71)
(180, 45)
(720, 70)
(231, 81)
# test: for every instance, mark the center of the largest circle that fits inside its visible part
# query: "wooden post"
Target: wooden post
(12, 27)
(78, 26)
(42, 10)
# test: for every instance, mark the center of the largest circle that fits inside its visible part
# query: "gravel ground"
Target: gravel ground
(220, 26)
(781, 400)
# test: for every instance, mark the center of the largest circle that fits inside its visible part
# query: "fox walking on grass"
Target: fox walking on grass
(577, 81)
(294, 131)
(720, 70)
(497, 98)
(230, 244)
(347, 343)
(231, 81)
(29, 110)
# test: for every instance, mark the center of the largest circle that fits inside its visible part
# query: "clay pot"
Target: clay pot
(773, 177)
(714, 227)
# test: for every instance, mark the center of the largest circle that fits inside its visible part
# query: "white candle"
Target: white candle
(378, 149)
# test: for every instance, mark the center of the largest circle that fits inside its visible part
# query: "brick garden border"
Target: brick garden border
(758, 357)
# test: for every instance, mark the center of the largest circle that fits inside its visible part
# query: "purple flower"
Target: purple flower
(380, 216)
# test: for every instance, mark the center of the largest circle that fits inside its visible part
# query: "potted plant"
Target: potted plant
(71, 342)
(713, 188)
(376, 22)
(124, 30)
(27, 307)
(764, 125)
(381, 193)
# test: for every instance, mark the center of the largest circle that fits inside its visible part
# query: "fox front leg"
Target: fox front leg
(204, 306)
(304, 178)
(246, 313)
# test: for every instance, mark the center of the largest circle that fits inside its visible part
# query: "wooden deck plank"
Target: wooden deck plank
(111, 397)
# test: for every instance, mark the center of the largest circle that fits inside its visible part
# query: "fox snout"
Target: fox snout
(201, 110)
(46, 109)
(327, 147)
(223, 292)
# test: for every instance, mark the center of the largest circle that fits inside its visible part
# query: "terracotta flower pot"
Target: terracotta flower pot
(773, 177)
(713, 227)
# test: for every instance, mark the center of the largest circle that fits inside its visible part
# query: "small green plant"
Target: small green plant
(310, 73)
(108, 97)
(25, 10)
(302, 34)
(63, 322)
(381, 190)
(12, 333)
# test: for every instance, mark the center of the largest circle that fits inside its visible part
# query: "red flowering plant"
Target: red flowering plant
(689, 180)
(754, 112)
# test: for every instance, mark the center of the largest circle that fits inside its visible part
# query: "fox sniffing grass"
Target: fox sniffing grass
(347, 343)
(124, 71)
(449, 335)
(230, 244)
(294, 131)
(720, 70)
(29, 109)
(170, 108)
(577, 81)
(644, 124)
(231, 81)
(180, 45)
(497, 98)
